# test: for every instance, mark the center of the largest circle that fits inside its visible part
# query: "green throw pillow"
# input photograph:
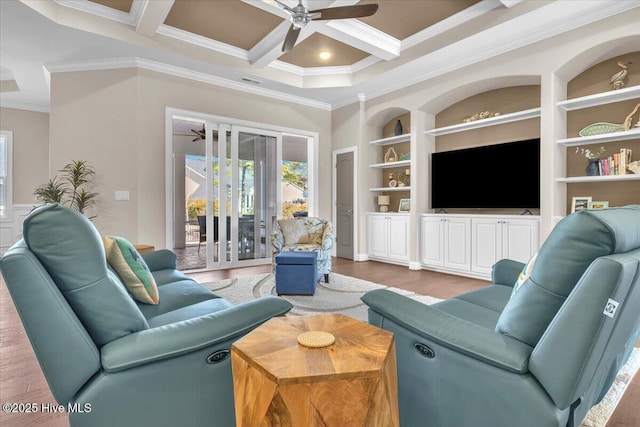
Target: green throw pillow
(524, 274)
(133, 271)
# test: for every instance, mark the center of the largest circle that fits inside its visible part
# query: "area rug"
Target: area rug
(342, 295)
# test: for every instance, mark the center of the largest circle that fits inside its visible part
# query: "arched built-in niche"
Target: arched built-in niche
(502, 101)
(592, 81)
(507, 96)
(453, 96)
(381, 127)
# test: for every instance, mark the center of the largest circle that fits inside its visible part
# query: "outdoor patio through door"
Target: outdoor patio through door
(228, 184)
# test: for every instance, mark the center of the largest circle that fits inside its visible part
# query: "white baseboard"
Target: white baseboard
(414, 266)
(361, 257)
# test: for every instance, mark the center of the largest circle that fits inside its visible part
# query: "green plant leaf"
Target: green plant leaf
(51, 192)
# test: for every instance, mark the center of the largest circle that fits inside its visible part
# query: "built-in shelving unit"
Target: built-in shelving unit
(600, 139)
(388, 165)
(600, 178)
(392, 140)
(600, 98)
(405, 188)
(397, 139)
(491, 121)
(595, 100)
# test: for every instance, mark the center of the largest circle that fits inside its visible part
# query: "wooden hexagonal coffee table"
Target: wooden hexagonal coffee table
(352, 382)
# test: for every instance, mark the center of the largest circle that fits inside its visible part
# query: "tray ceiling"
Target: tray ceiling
(238, 43)
(244, 23)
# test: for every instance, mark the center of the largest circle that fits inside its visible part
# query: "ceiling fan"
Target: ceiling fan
(200, 134)
(301, 16)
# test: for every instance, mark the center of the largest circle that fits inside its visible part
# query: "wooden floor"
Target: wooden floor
(22, 381)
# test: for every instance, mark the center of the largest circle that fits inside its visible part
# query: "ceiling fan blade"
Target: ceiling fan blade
(343, 12)
(290, 40)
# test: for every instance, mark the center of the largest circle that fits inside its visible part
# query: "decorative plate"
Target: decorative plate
(393, 183)
(600, 128)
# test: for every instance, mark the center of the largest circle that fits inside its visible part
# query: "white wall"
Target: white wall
(123, 111)
(30, 166)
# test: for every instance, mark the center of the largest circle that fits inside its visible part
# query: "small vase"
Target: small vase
(592, 168)
(398, 129)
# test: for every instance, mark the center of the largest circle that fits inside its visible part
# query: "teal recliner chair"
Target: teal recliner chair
(116, 361)
(541, 358)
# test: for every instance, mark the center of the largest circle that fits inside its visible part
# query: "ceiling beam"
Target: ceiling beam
(269, 48)
(152, 15)
(356, 33)
(511, 3)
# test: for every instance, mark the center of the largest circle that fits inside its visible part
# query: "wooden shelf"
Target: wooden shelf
(388, 165)
(604, 137)
(491, 121)
(392, 140)
(604, 178)
(600, 98)
(406, 188)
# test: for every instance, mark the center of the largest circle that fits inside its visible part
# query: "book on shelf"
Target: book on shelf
(616, 164)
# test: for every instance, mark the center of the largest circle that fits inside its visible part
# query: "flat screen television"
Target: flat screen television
(500, 176)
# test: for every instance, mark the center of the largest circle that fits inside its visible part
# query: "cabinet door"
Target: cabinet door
(398, 238)
(457, 243)
(377, 233)
(486, 240)
(520, 239)
(431, 240)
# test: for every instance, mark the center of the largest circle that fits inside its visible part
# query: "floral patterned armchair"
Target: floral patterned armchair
(305, 234)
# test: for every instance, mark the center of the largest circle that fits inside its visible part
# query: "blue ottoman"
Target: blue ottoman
(297, 273)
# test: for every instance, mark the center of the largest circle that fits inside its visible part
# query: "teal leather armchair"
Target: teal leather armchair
(542, 357)
(124, 363)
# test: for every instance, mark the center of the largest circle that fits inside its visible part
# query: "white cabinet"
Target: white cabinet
(445, 242)
(388, 237)
(471, 244)
(495, 238)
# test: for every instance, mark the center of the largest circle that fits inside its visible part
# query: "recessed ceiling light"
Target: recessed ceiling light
(325, 54)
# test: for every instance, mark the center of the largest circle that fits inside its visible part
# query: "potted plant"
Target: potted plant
(593, 167)
(71, 189)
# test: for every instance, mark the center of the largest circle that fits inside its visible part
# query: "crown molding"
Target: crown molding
(344, 70)
(118, 63)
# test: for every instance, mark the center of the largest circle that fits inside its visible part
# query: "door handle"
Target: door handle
(349, 211)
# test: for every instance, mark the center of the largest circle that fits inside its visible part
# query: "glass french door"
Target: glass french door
(243, 192)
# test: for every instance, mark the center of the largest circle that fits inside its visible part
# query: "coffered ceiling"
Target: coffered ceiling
(238, 43)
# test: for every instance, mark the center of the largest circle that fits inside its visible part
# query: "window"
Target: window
(6, 138)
